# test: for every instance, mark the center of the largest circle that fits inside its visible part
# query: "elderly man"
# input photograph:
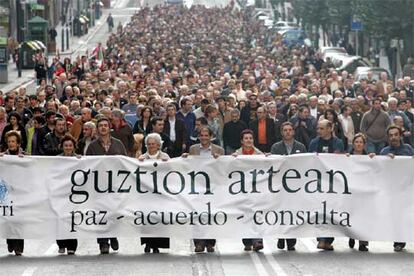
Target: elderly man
(264, 130)
(393, 112)
(122, 131)
(89, 134)
(76, 130)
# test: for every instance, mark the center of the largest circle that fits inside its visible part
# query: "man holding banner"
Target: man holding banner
(207, 149)
(289, 145)
(326, 143)
(396, 147)
(106, 145)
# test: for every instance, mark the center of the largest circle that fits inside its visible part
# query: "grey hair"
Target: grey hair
(90, 125)
(392, 100)
(118, 113)
(154, 136)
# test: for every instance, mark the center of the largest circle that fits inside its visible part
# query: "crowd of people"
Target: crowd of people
(203, 81)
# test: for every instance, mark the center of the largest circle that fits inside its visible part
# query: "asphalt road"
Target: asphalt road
(41, 258)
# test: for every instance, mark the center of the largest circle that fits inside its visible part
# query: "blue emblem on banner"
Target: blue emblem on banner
(3, 191)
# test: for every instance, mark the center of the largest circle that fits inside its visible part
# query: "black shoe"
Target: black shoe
(104, 248)
(155, 250)
(147, 249)
(114, 244)
(10, 248)
(281, 244)
(257, 246)
(291, 248)
(210, 248)
(398, 248)
(363, 247)
(351, 243)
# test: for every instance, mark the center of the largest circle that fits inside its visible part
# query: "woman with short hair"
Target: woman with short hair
(153, 143)
(248, 148)
(13, 142)
(358, 148)
(68, 145)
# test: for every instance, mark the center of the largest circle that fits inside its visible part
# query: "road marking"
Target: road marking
(258, 265)
(29, 271)
(273, 263)
(310, 245)
(52, 250)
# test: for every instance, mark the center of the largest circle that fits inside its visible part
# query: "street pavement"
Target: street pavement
(41, 258)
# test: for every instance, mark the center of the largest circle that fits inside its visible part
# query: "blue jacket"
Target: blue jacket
(337, 145)
(403, 149)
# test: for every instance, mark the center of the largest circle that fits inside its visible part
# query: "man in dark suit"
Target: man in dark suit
(348, 89)
(175, 129)
(264, 130)
(277, 117)
(157, 124)
(304, 124)
(207, 149)
(287, 146)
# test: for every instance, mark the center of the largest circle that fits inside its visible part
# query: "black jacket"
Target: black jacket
(180, 137)
(52, 145)
(231, 133)
(270, 134)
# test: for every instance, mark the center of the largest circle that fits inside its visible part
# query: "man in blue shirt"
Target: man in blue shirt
(396, 147)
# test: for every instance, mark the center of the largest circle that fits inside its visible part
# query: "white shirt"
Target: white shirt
(206, 152)
(172, 129)
(314, 112)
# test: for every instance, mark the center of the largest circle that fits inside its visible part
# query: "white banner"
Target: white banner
(245, 197)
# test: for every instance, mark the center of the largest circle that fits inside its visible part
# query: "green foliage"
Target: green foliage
(385, 19)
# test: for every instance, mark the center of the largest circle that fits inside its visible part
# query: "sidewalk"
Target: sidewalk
(75, 45)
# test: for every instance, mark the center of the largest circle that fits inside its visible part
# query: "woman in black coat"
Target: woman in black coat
(14, 123)
(13, 141)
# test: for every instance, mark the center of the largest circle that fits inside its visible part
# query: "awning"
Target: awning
(34, 45)
(36, 7)
(85, 18)
(41, 44)
(31, 45)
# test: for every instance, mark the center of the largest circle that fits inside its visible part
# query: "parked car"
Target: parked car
(295, 37)
(174, 2)
(349, 63)
(285, 25)
(331, 51)
(362, 73)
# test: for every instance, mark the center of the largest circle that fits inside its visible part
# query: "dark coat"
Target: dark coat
(23, 135)
(180, 137)
(280, 148)
(52, 145)
(270, 134)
